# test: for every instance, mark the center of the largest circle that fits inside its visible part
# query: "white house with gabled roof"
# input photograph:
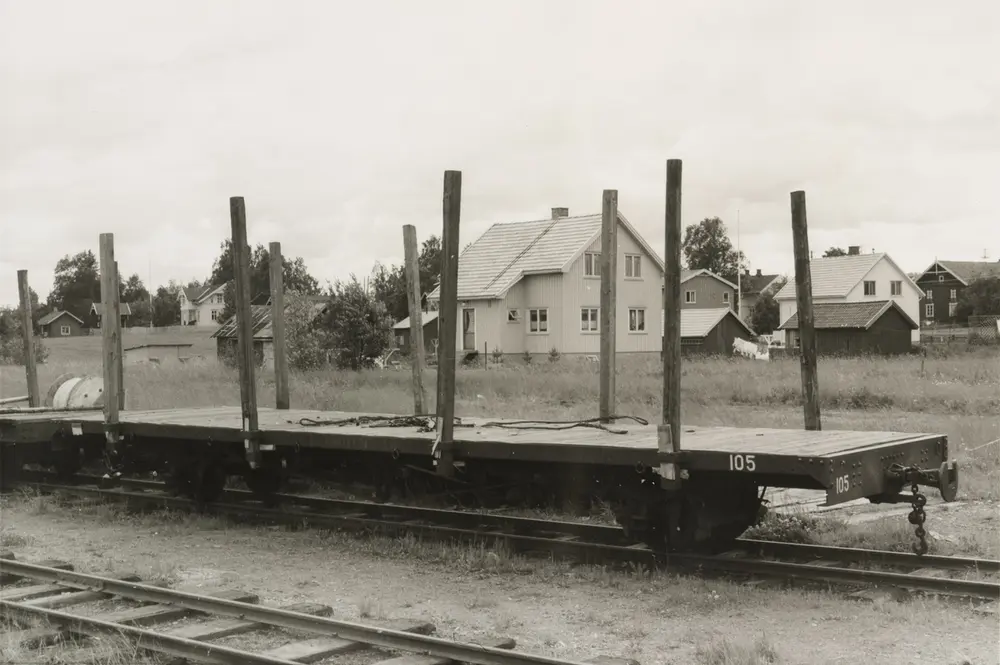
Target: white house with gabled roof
(536, 286)
(856, 278)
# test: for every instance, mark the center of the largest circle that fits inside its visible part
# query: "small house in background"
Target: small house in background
(942, 285)
(753, 287)
(157, 352)
(711, 331)
(227, 340)
(401, 332)
(61, 323)
(855, 328)
(96, 312)
(202, 305)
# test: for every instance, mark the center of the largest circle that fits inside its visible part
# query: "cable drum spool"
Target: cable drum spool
(72, 391)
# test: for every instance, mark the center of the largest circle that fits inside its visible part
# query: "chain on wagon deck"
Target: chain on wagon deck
(846, 464)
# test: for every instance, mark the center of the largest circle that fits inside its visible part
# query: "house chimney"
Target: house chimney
(854, 250)
(559, 213)
(746, 272)
(758, 272)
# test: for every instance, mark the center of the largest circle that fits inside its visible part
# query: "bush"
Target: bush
(12, 340)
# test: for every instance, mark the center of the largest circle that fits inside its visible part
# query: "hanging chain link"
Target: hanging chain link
(917, 517)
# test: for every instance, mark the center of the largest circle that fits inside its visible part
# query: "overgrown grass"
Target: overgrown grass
(730, 652)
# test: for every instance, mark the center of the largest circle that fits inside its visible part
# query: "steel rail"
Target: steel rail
(594, 533)
(172, 645)
(605, 552)
(860, 555)
(386, 638)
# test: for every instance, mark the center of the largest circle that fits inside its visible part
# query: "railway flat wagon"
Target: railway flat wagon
(671, 485)
(723, 470)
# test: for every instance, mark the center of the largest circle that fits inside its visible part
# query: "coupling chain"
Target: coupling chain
(917, 516)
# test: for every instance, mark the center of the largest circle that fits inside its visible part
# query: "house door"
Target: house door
(468, 329)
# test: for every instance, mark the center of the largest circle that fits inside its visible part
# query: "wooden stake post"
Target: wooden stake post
(244, 330)
(448, 325)
(111, 340)
(28, 334)
(281, 396)
(412, 258)
(804, 305)
(669, 432)
(609, 273)
(119, 351)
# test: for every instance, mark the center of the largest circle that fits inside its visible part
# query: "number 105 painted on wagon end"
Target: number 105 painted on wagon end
(742, 463)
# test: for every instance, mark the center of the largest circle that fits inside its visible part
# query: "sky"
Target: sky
(336, 121)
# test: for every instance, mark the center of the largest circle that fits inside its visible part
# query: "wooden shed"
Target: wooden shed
(711, 331)
(856, 328)
(61, 323)
(227, 341)
(401, 332)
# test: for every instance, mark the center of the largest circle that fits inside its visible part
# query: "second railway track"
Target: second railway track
(945, 575)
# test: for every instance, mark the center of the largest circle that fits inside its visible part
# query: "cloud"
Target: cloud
(336, 123)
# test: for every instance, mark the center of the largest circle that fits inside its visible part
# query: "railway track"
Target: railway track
(187, 625)
(587, 542)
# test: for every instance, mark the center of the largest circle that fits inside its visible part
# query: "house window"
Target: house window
(633, 266)
(929, 310)
(954, 295)
(215, 315)
(218, 298)
(399, 340)
(538, 320)
(592, 264)
(513, 315)
(636, 319)
(588, 319)
(940, 278)
(929, 294)
(689, 297)
(725, 297)
(952, 306)
(896, 288)
(63, 330)
(869, 288)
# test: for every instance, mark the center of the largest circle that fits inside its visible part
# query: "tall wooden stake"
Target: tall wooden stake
(804, 305)
(669, 432)
(28, 333)
(609, 273)
(110, 337)
(244, 330)
(448, 324)
(119, 352)
(412, 258)
(277, 266)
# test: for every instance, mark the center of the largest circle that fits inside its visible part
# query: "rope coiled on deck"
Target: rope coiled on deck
(427, 423)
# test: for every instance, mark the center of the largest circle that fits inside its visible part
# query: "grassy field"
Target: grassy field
(957, 395)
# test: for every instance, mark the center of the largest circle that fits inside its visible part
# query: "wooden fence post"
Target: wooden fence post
(281, 396)
(28, 333)
(804, 305)
(412, 267)
(119, 351)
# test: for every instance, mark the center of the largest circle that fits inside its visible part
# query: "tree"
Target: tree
(295, 276)
(765, 315)
(358, 325)
(430, 266)
(167, 305)
(305, 336)
(12, 339)
(834, 251)
(133, 290)
(389, 287)
(706, 246)
(76, 285)
(979, 298)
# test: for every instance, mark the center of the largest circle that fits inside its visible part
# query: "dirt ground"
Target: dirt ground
(549, 608)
